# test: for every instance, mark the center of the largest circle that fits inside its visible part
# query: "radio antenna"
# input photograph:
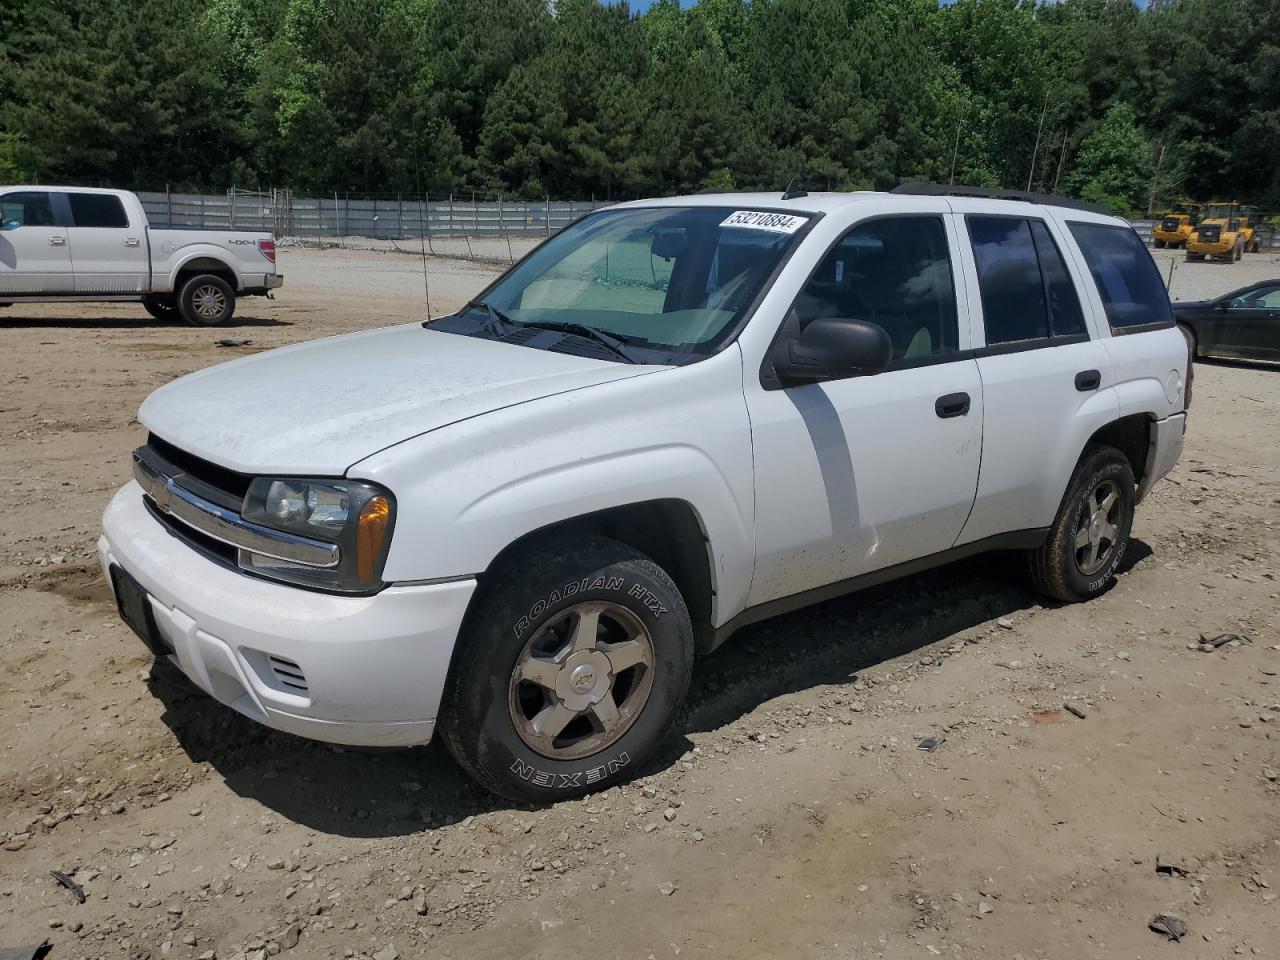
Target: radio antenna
(424, 211)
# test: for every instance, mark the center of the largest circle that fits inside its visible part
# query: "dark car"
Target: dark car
(1243, 323)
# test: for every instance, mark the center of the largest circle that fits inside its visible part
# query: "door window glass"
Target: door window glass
(1065, 317)
(1014, 306)
(30, 209)
(895, 272)
(97, 210)
(1128, 281)
(1260, 298)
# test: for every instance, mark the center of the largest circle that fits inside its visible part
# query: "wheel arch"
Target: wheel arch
(1133, 436)
(669, 531)
(202, 263)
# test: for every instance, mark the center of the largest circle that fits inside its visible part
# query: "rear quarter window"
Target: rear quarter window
(1128, 281)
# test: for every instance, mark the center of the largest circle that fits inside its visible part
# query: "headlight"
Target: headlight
(355, 515)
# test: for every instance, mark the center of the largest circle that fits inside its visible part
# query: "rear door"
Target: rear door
(1039, 365)
(109, 251)
(35, 257)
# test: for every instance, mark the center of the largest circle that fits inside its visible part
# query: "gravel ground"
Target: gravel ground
(794, 815)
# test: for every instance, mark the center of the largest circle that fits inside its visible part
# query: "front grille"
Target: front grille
(1210, 234)
(288, 673)
(214, 549)
(233, 485)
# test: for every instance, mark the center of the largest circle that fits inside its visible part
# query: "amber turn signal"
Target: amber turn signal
(371, 535)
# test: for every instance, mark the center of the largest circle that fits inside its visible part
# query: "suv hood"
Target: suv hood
(317, 408)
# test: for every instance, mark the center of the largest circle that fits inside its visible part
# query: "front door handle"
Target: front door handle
(130, 241)
(57, 241)
(1087, 380)
(952, 405)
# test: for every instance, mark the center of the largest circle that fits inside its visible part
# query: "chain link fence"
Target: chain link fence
(393, 222)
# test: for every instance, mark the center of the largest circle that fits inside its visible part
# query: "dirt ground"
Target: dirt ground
(794, 816)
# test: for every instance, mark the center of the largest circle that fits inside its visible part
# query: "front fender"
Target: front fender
(468, 490)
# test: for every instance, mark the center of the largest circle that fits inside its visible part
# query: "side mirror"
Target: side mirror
(833, 348)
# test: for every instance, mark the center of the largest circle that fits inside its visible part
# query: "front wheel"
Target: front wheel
(206, 300)
(569, 672)
(1091, 531)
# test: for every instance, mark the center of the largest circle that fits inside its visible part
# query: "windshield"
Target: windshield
(668, 283)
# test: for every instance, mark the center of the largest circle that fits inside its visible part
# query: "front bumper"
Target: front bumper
(372, 668)
(1211, 249)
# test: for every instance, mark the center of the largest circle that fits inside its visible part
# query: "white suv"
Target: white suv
(522, 521)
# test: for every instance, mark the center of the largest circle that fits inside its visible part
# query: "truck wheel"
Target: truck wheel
(1091, 531)
(569, 671)
(161, 306)
(206, 300)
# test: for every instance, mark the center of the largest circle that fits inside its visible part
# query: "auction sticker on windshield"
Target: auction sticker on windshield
(759, 220)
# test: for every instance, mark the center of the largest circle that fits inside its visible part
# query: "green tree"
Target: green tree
(1114, 164)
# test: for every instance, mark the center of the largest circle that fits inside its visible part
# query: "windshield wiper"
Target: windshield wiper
(615, 346)
(498, 323)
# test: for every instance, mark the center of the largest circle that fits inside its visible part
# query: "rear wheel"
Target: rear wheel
(569, 672)
(1160, 244)
(206, 300)
(161, 306)
(1091, 531)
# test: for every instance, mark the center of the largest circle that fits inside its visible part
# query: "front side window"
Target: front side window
(670, 283)
(1133, 295)
(26, 209)
(97, 210)
(1259, 298)
(895, 272)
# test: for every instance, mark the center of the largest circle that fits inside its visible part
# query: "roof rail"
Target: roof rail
(916, 189)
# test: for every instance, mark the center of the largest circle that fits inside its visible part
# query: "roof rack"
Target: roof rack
(994, 193)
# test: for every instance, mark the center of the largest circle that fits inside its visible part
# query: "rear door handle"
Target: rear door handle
(952, 405)
(1087, 380)
(57, 241)
(130, 241)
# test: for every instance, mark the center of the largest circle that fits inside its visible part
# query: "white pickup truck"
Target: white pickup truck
(78, 243)
(519, 523)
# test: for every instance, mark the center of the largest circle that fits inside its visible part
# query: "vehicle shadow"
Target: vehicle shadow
(129, 323)
(383, 793)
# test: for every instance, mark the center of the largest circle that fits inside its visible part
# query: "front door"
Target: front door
(35, 257)
(109, 252)
(856, 475)
(1250, 326)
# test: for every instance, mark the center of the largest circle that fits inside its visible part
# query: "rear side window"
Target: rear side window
(29, 209)
(1129, 283)
(1013, 300)
(1065, 318)
(895, 272)
(97, 210)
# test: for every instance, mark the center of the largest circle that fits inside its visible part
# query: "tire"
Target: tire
(206, 300)
(162, 307)
(523, 671)
(1193, 342)
(1079, 558)
(1159, 244)
(1194, 256)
